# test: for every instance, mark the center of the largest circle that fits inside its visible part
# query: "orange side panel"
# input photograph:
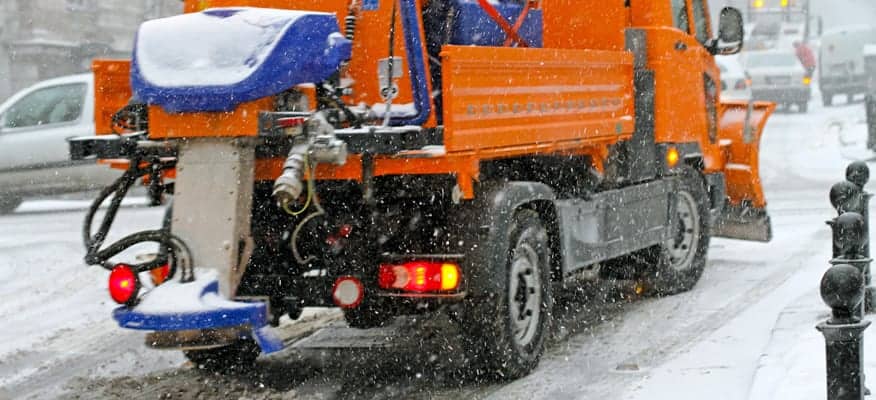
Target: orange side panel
(576, 24)
(522, 98)
(243, 121)
(112, 90)
(740, 131)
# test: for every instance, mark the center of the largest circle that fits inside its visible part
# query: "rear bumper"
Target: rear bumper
(782, 95)
(843, 84)
(196, 311)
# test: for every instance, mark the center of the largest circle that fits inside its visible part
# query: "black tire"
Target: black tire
(508, 329)
(679, 263)
(9, 204)
(803, 107)
(238, 356)
(827, 99)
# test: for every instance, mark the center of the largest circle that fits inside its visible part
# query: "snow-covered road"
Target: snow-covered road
(57, 340)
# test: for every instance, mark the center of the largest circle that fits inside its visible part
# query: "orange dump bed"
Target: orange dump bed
(499, 100)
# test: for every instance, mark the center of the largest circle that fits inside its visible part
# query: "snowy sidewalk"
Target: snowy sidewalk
(793, 365)
(725, 365)
(771, 351)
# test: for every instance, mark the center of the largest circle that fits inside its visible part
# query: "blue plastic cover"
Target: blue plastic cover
(219, 58)
(176, 306)
(472, 25)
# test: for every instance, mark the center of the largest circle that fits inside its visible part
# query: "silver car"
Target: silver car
(778, 76)
(35, 124)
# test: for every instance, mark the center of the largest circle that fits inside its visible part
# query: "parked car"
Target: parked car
(35, 124)
(842, 62)
(735, 81)
(779, 77)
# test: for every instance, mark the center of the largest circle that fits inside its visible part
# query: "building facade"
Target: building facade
(42, 39)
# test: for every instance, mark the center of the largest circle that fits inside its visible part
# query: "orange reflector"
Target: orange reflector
(672, 157)
(159, 275)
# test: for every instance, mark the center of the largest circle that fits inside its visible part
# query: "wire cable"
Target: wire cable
(311, 194)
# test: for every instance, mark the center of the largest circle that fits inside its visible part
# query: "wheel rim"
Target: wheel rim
(682, 247)
(524, 291)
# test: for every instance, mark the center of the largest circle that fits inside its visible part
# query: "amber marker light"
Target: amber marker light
(672, 157)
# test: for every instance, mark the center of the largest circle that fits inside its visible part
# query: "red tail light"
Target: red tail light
(290, 122)
(420, 276)
(123, 284)
(159, 275)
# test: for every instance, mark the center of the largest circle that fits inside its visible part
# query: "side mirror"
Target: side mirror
(731, 33)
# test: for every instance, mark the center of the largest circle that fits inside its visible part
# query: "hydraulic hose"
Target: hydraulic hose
(173, 250)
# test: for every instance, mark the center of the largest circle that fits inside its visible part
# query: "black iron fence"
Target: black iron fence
(846, 287)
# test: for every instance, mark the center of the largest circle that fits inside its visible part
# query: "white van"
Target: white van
(35, 124)
(841, 61)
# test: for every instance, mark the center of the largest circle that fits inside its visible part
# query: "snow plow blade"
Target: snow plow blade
(745, 216)
(744, 224)
(194, 316)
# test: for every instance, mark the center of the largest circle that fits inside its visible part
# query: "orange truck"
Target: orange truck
(469, 158)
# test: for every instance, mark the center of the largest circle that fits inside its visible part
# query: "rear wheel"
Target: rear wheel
(803, 107)
(9, 204)
(509, 328)
(827, 98)
(240, 355)
(678, 263)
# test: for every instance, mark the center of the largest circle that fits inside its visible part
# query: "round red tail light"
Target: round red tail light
(123, 284)
(348, 292)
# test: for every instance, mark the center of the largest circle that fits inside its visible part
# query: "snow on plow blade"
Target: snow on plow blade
(741, 127)
(195, 315)
(744, 224)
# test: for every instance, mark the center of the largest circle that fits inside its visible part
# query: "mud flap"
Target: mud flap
(745, 216)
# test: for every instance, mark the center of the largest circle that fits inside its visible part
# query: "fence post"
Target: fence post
(842, 288)
(844, 347)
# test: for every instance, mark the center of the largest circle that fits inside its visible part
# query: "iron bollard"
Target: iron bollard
(849, 240)
(841, 291)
